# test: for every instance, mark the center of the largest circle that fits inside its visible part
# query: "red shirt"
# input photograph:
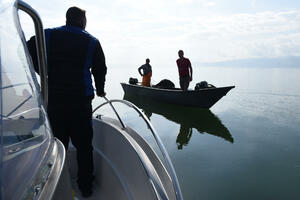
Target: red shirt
(183, 65)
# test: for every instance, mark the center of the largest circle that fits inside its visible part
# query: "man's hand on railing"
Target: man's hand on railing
(102, 95)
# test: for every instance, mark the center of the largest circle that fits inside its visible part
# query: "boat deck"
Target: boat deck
(131, 171)
(97, 195)
(77, 194)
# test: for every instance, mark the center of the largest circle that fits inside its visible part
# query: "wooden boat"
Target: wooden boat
(203, 98)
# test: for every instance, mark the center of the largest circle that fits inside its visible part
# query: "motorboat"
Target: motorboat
(35, 165)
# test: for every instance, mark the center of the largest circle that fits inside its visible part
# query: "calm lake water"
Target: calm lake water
(247, 146)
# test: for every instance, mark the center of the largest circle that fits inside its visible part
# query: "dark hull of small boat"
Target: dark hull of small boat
(204, 98)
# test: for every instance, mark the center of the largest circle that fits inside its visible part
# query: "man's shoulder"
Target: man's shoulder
(182, 60)
(71, 30)
(89, 35)
(53, 29)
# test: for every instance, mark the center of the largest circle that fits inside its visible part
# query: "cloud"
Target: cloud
(253, 3)
(204, 3)
(131, 30)
(204, 38)
(210, 4)
(269, 34)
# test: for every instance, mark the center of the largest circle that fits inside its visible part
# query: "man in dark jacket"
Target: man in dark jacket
(72, 55)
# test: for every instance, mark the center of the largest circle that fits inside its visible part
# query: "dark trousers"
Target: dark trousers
(73, 120)
(184, 82)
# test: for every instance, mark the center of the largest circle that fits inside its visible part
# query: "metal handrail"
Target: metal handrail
(40, 45)
(115, 111)
(162, 148)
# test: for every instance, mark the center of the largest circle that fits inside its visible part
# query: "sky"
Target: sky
(208, 31)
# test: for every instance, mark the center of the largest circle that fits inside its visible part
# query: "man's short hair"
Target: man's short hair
(74, 16)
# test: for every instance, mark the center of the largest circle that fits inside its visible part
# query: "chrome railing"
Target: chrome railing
(162, 148)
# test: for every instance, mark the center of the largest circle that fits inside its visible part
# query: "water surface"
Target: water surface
(247, 146)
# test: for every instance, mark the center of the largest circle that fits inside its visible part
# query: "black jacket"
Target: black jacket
(72, 55)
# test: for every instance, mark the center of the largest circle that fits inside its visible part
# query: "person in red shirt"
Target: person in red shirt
(185, 71)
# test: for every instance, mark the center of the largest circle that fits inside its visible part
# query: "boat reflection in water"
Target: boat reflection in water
(203, 120)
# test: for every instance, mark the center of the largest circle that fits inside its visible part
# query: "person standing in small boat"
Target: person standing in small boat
(185, 71)
(74, 56)
(147, 73)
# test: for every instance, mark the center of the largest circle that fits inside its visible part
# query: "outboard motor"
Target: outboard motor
(133, 81)
(201, 85)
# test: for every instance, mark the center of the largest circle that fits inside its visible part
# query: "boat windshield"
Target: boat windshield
(22, 114)
(23, 122)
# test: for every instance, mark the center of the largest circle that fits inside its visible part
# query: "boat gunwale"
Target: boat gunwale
(177, 89)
